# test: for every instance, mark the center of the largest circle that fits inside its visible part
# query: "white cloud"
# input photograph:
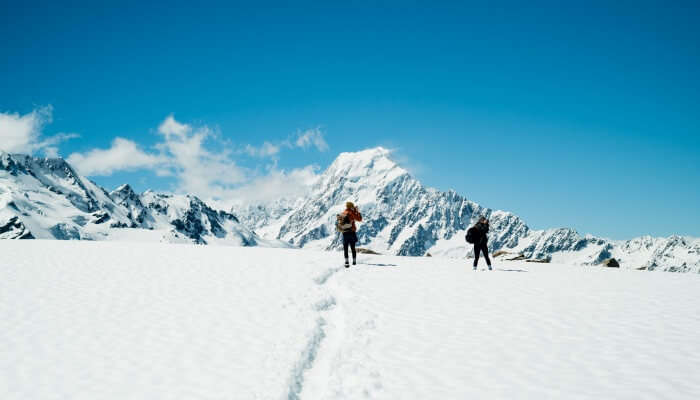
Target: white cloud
(181, 154)
(276, 184)
(266, 150)
(186, 154)
(303, 140)
(169, 127)
(51, 151)
(123, 155)
(312, 137)
(198, 170)
(22, 133)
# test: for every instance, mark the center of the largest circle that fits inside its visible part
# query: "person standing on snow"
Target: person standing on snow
(346, 225)
(481, 242)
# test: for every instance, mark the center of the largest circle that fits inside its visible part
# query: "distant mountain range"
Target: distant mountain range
(46, 199)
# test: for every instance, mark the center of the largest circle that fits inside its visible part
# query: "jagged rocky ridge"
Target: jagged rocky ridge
(46, 198)
(403, 217)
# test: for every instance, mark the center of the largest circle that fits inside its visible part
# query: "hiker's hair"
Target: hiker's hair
(482, 218)
(349, 205)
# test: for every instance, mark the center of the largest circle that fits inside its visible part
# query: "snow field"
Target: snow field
(109, 320)
(554, 331)
(98, 320)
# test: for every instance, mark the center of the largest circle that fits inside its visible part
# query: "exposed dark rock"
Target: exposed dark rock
(80, 220)
(370, 229)
(363, 250)
(100, 217)
(14, 229)
(317, 233)
(418, 243)
(605, 255)
(610, 263)
(64, 231)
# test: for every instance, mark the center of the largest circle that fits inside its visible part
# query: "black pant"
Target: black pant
(349, 239)
(352, 247)
(481, 247)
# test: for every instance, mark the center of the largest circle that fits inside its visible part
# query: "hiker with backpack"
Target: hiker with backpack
(346, 225)
(477, 235)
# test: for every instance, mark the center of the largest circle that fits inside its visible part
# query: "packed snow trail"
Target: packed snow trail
(86, 320)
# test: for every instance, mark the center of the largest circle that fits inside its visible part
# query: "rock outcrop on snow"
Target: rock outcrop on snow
(14, 229)
(610, 263)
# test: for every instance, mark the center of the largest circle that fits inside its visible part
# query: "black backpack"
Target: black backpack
(472, 235)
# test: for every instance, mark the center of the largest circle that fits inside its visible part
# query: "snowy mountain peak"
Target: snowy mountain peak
(367, 155)
(375, 162)
(125, 188)
(38, 165)
(400, 216)
(7, 163)
(124, 193)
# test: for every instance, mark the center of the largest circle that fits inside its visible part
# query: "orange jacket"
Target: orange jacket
(354, 216)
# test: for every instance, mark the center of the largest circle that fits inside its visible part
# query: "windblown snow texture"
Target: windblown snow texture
(111, 320)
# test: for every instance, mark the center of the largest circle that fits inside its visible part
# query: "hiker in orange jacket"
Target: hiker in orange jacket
(347, 226)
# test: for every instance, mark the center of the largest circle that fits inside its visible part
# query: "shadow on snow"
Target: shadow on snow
(380, 265)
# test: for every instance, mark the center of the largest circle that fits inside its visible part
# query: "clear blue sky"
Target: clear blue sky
(584, 115)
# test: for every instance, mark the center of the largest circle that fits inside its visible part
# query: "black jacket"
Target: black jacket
(483, 230)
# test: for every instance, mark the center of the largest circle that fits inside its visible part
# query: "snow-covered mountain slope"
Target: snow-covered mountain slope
(46, 199)
(109, 320)
(675, 253)
(403, 217)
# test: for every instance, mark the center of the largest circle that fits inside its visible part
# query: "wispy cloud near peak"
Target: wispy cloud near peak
(312, 137)
(23, 133)
(123, 155)
(201, 163)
